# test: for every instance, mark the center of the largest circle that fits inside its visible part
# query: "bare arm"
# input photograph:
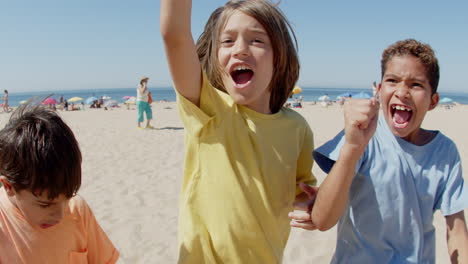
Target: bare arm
(360, 124)
(180, 48)
(457, 237)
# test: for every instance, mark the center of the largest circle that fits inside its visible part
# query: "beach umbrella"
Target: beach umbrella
(446, 100)
(74, 99)
(361, 95)
(343, 95)
(111, 103)
(90, 100)
(324, 98)
(131, 100)
(127, 97)
(23, 101)
(49, 101)
(296, 90)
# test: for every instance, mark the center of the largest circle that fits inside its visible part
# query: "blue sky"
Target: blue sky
(87, 44)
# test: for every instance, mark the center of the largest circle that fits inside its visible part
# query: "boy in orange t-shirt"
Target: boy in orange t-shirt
(41, 219)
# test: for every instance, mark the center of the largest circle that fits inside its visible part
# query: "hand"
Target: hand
(301, 216)
(361, 117)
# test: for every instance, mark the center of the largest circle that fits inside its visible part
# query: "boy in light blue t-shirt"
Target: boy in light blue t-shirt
(402, 174)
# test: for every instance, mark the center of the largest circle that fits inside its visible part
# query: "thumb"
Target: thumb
(309, 190)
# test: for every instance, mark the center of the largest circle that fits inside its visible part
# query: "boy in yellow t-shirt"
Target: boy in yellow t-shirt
(41, 219)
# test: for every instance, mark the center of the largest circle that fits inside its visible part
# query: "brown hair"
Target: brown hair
(284, 44)
(38, 152)
(411, 47)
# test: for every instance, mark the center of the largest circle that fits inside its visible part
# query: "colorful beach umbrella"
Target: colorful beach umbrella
(296, 90)
(90, 100)
(49, 101)
(127, 97)
(131, 100)
(74, 99)
(111, 103)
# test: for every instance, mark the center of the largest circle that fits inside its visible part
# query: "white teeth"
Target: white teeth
(400, 107)
(242, 67)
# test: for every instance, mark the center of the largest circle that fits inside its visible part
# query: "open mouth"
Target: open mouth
(47, 225)
(241, 75)
(401, 115)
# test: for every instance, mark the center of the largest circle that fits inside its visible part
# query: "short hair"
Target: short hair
(284, 43)
(422, 51)
(38, 152)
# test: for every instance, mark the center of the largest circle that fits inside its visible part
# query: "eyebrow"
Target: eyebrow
(253, 30)
(390, 75)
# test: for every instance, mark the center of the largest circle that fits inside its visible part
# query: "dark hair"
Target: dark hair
(411, 47)
(284, 44)
(38, 152)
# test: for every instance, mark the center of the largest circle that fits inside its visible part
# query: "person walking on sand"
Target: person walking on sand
(142, 103)
(5, 102)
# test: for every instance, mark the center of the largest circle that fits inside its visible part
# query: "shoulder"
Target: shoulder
(78, 206)
(290, 114)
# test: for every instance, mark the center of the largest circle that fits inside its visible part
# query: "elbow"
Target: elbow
(324, 226)
(322, 222)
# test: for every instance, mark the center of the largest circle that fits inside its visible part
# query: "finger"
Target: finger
(304, 225)
(309, 190)
(299, 215)
(302, 206)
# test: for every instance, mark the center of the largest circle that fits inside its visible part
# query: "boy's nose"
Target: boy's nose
(241, 49)
(402, 91)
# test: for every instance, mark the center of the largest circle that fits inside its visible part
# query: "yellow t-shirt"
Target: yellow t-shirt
(242, 170)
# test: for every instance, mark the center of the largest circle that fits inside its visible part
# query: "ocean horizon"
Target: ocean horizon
(168, 94)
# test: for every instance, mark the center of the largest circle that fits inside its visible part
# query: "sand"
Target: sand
(132, 177)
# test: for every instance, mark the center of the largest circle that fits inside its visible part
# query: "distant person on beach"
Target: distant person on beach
(5, 102)
(245, 153)
(41, 218)
(403, 173)
(142, 103)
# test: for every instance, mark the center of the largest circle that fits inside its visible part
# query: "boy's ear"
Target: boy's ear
(434, 101)
(7, 185)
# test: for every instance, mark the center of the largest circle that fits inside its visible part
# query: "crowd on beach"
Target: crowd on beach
(248, 157)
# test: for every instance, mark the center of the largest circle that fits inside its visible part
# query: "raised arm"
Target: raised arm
(457, 238)
(332, 199)
(180, 48)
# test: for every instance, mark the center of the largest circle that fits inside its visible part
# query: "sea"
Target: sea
(168, 94)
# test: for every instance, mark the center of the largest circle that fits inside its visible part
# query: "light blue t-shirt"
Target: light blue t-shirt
(397, 188)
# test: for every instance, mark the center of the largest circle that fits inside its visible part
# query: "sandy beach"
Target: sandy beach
(132, 177)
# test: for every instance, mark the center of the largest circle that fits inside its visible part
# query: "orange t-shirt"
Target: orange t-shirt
(78, 238)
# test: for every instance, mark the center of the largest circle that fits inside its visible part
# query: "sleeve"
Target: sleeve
(328, 153)
(100, 248)
(194, 117)
(452, 197)
(305, 161)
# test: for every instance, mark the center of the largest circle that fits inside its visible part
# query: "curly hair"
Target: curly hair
(284, 44)
(411, 47)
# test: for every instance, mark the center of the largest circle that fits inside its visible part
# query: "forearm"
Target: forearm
(181, 53)
(334, 191)
(457, 249)
(175, 16)
(457, 238)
